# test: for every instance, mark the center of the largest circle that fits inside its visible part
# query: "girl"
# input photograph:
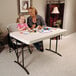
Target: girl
(23, 26)
(21, 23)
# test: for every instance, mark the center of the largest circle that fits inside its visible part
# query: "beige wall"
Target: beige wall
(8, 12)
(70, 16)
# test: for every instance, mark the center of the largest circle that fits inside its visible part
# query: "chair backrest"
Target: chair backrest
(12, 27)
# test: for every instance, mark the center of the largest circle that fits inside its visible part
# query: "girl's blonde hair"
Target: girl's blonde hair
(17, 20)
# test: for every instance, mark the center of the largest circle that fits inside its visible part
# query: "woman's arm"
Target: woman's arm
(29, 22)
(40, 23)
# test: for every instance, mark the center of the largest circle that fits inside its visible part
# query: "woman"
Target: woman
(35, 21)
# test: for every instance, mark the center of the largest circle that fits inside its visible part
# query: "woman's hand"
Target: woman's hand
(39, 27)
(33, 26)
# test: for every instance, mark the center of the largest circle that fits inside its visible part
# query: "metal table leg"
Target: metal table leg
(55, 48)
(22, 65)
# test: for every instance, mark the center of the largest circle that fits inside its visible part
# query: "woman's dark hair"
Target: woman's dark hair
(17, 20)
(33, 9)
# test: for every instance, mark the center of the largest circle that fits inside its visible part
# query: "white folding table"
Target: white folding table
(33, 37)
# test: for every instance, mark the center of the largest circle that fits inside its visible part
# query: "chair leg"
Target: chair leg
(9, 49)
(29, 50)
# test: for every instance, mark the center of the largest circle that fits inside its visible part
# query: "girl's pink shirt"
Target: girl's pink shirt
(22, 25)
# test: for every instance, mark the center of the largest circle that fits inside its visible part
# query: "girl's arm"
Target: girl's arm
(21, 29)
(28, 28)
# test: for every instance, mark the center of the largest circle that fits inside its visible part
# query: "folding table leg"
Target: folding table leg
(22, 65)
(29, 50)
(55, 48)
